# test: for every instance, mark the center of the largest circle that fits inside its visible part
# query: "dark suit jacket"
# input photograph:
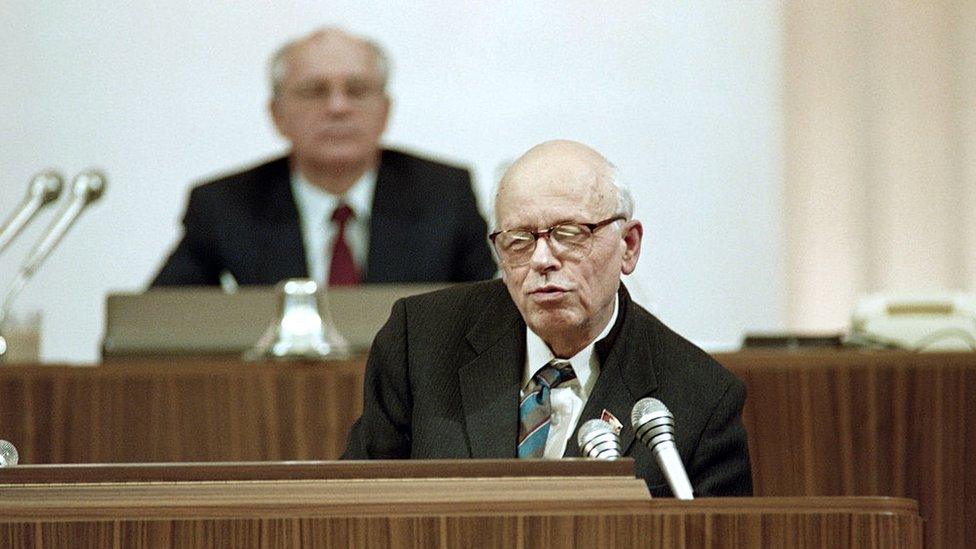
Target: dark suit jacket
(425, 227)
(444, 373)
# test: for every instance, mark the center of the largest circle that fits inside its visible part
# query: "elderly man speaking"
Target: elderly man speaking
(448, 373)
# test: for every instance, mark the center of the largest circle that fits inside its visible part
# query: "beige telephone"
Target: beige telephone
(917, 322)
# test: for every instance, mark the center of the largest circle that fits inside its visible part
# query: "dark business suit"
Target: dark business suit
(424, 227)
(443, 379)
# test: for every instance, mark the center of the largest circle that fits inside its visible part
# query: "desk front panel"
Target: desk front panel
(820, 423)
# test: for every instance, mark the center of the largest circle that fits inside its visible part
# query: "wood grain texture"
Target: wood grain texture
(526, 531)
(75, 473)
(849, 423)
(386, 514)
(335, 498)
(179, 410)
(820, 423)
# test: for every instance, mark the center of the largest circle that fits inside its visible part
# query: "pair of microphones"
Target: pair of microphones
(653, 425)
(44, 189)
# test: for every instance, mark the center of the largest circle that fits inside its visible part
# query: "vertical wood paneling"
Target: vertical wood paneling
(819, 423)
(178, 411)
(894, 424)
(663, 529)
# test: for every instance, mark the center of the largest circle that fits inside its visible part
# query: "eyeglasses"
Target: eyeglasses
(355, 89)
(567, 241)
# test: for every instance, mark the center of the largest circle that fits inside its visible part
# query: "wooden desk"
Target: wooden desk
(500, 503)
(852, 423)
(172, 410)
(820, 423)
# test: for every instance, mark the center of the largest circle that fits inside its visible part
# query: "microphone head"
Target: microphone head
(652, 421)
(8, 454)
(647, 407)
(46, 186)
(593, 427)
(88, 185)
(599, 440)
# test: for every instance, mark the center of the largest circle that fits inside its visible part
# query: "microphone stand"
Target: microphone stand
(43, 189)
(86, 187)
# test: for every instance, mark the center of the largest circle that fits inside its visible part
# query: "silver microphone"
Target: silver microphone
(654, 426)
(43, 189)
(86, 188)
(598, 440)
(8, 454)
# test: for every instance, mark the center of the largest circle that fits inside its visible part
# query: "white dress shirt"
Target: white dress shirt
(315, 207)
(569, 398)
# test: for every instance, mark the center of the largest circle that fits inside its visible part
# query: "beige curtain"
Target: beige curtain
(880, 152)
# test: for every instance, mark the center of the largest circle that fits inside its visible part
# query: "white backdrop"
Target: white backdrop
(683, 96)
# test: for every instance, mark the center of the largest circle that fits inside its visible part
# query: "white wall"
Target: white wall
(683, 96)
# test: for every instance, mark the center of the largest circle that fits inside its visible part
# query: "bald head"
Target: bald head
(557, 166)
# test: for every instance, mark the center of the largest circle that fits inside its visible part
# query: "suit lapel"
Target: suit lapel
(280, 233)
(613, 395)
(626, 376)
(489, 381)
(394, 212)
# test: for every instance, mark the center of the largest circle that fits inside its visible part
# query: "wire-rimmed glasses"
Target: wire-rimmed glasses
(569, 240)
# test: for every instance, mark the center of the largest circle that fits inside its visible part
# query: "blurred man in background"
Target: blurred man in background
(339, 208)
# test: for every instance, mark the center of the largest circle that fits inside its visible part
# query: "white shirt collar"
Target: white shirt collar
(316, 203)
(315, 207)
(585, 363)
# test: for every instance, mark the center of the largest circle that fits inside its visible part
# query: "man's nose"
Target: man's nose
(543, 258)
(338, 100)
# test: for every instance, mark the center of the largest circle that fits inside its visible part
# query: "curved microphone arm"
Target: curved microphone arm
(43, 189)
(86, 188)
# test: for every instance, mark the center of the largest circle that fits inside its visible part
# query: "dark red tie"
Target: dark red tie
(343, 271)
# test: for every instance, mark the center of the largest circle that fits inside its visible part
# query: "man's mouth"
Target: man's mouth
(549, 291)
(338, 133)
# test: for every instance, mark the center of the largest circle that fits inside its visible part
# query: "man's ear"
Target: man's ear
(633, 234)
(274, 110)
(388, 108)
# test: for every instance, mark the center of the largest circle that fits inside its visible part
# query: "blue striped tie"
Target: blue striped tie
(535, 411)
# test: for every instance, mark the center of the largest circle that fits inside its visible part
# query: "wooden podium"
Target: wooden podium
(826, 423)
(469, 503)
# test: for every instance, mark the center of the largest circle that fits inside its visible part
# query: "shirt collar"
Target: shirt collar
(585, 363)
(318, 204)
